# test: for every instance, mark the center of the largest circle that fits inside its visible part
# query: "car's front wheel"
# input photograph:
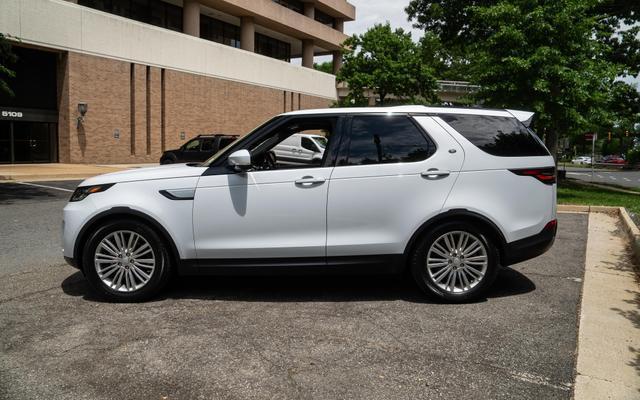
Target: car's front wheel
(126, 261)
(455, 261)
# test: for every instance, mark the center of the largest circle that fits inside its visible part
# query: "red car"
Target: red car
(614, 160)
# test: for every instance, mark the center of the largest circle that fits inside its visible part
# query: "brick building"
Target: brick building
(150, 74)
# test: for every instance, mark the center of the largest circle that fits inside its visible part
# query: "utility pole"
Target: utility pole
(593, 152)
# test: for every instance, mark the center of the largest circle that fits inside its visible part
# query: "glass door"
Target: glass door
(27, 142)
(6, 142)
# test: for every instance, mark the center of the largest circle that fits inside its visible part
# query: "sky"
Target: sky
(371, 12)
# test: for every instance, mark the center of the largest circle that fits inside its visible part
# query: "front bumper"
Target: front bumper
(72, 261)
(530, 247)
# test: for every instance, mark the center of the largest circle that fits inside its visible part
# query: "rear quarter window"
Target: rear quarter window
(498, 136)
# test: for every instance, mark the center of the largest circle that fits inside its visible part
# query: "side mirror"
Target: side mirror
(240, 160)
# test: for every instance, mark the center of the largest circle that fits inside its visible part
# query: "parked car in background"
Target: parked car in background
(613, 159)
(301, 148)
(199, 148)
(446, 194)
(582, 160)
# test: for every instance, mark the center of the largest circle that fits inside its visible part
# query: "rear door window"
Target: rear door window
(224, 142)
(207, 145)
(383, 139)
(498, 136)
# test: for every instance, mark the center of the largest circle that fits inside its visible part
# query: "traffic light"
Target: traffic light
(626, 133)
(609, 136)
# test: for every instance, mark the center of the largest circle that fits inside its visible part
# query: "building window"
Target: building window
(270, 47)
(294, 5)
(219, 31)
(154, 12)
(325, 19)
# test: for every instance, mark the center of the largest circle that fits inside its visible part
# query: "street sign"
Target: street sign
(588, 136)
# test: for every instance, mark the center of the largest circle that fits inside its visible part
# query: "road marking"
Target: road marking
(45, 186)
(612, 177)
(599, 176)
(627, 179)
(577, 173)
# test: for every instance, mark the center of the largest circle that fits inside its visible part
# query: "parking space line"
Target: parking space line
(44, 186)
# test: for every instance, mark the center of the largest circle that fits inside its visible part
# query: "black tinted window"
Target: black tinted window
(224, 142)
(308, 144)
(193, 145)
(386, 139)
(207, 145)
(498, 136)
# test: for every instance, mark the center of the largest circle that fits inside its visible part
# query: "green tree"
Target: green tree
(558, 58)
(7, 57)
(389, 63)
(326, 67)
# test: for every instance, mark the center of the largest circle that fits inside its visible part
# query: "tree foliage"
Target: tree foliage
(7, 57)
(326, 67)
(558, 58)
(388, 62)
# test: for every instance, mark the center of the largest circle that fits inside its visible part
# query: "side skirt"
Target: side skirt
(352, 265)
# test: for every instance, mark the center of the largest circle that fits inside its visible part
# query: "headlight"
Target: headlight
(82, 192)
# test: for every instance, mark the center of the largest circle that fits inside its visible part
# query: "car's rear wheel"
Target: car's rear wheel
(126, 261)
(455, 261)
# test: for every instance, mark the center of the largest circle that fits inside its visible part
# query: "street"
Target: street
(359, 337)
(613, 176)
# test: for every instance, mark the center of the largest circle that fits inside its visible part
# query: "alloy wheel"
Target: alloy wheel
(457, 261)
(124, 261)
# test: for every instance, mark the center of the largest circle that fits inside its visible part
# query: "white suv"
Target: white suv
(447, 194)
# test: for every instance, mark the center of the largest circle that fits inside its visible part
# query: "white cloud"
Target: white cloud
(371, 12)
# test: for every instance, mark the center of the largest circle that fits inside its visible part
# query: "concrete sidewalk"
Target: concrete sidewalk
(58, 171)
(608, 365)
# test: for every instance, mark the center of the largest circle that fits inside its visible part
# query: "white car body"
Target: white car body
(582, 160)
(217, 219)
(300, 148)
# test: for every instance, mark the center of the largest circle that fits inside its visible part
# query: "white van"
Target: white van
(301, 148)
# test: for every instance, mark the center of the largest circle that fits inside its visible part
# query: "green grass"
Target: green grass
(571, 192)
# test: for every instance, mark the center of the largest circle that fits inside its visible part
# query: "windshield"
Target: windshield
(233, 144)
(321, 141)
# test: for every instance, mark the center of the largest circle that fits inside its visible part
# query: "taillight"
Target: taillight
(551, 225)
(544, 175)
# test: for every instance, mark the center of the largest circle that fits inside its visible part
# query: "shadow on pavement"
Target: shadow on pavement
(305, 289)
(11, 192)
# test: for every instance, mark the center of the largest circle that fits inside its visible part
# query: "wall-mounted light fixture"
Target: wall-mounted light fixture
(82, 110)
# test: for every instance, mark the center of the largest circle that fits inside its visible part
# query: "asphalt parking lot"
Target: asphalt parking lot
(359, 337)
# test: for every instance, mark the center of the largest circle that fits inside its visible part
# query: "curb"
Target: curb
(629, 226)
(604, 186)
(632, 231)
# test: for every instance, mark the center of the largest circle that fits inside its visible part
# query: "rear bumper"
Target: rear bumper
(530, 247)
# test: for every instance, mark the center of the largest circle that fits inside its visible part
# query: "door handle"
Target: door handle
(309, 180)
(435, 173)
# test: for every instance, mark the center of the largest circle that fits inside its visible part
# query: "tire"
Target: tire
(138, 281)
(167, 160)
(473, 275)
